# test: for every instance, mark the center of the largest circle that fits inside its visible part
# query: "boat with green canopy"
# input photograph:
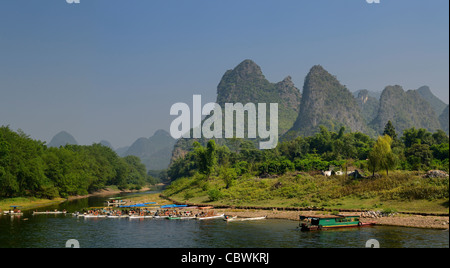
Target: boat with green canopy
(314, 223)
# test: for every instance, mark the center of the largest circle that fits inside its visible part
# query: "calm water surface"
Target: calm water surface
(52, 231)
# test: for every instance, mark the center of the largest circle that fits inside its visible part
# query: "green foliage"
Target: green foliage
(389, 130)
(29, 168)
(415, 150)
(214, 194)
(382, 157)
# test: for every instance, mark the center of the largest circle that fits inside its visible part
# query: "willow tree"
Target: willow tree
(381, 157)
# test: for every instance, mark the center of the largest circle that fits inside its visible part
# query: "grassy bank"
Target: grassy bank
(28, 203)
(400, 191)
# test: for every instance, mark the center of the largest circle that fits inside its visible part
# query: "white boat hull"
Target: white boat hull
(211, 217)
(245, 219)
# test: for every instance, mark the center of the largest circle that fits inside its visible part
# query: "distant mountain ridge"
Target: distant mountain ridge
(437, 104)
(155, 152)
(443, 119)
(368, 103)
(62, 139)
(405, 110)
(244, 84)
(326, 102)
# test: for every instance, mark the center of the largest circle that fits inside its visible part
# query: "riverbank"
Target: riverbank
(30, 203)
(402, 219)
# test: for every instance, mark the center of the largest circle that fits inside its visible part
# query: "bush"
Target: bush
(214, 194)
(241, 168)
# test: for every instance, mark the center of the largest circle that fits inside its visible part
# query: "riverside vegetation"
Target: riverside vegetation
(393, 170)
(30, 169)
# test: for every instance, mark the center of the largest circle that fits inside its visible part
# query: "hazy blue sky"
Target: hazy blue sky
(111, 69)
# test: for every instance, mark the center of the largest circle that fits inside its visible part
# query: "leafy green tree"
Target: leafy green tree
(211, 156)
(419, 156)
(381, 156)
(389, 130)
(228, 175)
(417, 136)
(440, 137)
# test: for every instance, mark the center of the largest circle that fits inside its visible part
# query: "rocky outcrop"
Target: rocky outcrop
(326, 102)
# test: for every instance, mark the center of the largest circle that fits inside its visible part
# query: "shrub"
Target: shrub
(214, 194)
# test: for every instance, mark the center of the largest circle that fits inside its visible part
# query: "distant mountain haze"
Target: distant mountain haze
(368, 104)
(405, 110)
(326, 102)
(244, 84)
(62, 139)
(107, 144)
(443, 119)
(155, 152)
(437, 104)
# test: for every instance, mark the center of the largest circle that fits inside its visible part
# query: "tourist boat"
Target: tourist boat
(115, 201)
(48, 212)
(181, 217)
(94, 216)
(231, 219)
(210, 217)
(14, 212)
(313, 223)
(160, 217)
(134, 217)
(117, 216)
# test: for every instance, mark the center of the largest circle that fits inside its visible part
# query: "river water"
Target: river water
(53, 231)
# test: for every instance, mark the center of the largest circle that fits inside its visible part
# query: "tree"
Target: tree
(389, 130)
(211, 156)
(206, 157)
(440, 137)
(228, 175)
(419, 156)
(417, 136)
(381, 156)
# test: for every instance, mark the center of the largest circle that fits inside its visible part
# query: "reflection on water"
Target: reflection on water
(54, 230)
